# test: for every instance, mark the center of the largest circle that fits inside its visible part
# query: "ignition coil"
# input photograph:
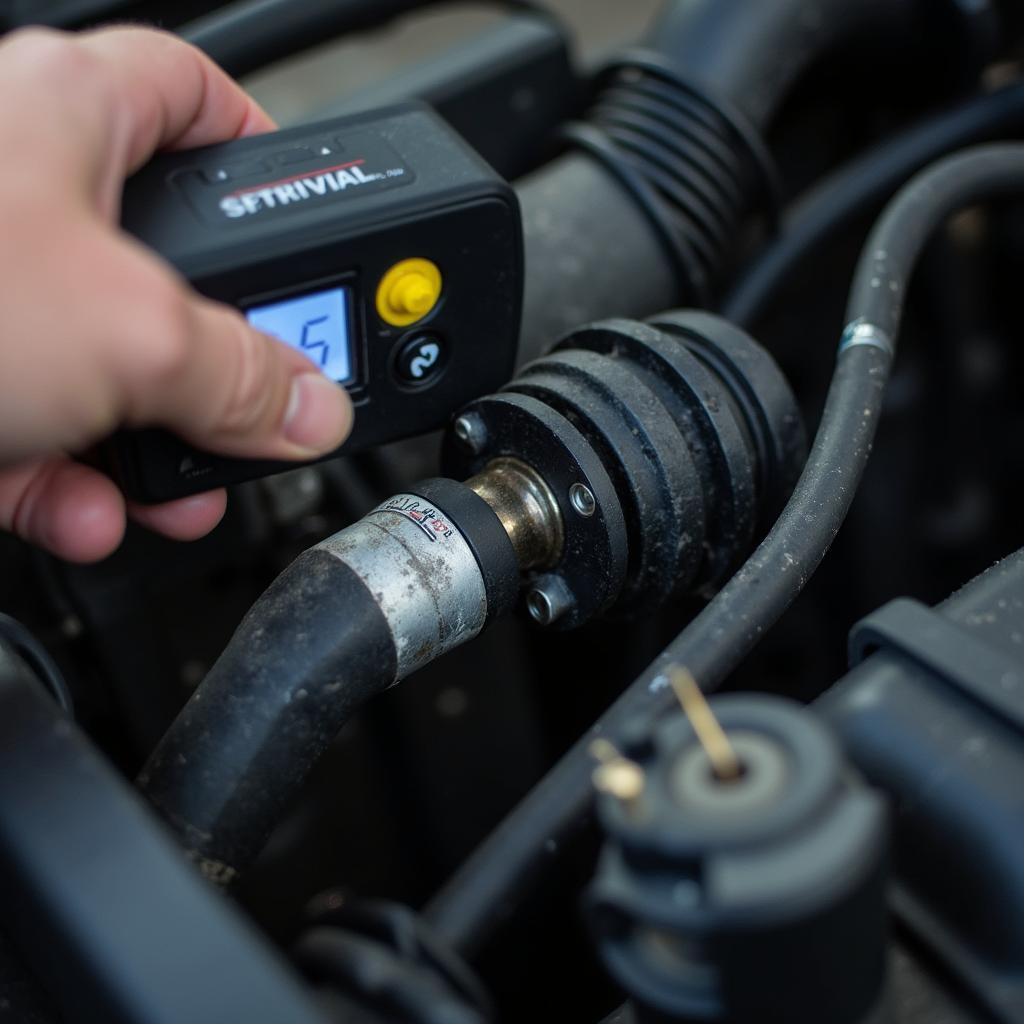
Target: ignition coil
(653, 451)
(751, 898)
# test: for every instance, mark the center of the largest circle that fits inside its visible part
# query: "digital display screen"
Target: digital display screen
(316, 325)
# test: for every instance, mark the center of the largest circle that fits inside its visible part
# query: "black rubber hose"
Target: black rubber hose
(752, 52)
(250, 34)
(861, 186)
(414, 578)
(747, 50)
(491, 883)
(312, 649)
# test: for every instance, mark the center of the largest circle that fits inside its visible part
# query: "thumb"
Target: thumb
(230, 389)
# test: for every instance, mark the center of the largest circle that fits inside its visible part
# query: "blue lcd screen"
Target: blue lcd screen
(316, 325)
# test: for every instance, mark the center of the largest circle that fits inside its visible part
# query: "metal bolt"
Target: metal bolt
(471, 432)
(583, 500)
(548, 600)
(526, 509)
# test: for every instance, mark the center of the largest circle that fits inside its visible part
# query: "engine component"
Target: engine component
(932, 711)
(700, 433)
(378, 244)
(664, 444)
(746, 899)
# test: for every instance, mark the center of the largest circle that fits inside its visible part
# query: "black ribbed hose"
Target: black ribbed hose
(492, 882)
(674, 137)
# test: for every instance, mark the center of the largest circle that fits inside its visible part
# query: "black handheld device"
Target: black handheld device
(379, 244)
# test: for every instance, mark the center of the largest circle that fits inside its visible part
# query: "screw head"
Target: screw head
(582, 500)
(538, 604)
(549, 599)
(471, 432)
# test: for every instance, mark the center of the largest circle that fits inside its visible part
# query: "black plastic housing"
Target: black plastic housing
(933, 712)
(420, 192)
(100, 902)
(760, 899)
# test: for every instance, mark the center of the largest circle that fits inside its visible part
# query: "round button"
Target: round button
(408, 292)
(413, 295)
(420, 359)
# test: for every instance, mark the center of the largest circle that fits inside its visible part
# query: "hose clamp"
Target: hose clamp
(422, 574)
(863, 332)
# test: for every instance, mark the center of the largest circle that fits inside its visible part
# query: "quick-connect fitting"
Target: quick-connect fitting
(526, 508)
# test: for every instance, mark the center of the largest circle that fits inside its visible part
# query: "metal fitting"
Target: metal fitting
(583, 500)
(526, 508)
(548, 600)
(471, 432)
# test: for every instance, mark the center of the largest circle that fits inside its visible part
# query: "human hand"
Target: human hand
(97, 331)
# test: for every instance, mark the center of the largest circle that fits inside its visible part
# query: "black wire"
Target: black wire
(861, 187)
(883, 272)
(38, 659)
(250, 34)
(489, 886)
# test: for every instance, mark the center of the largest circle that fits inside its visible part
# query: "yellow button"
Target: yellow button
(408, 292)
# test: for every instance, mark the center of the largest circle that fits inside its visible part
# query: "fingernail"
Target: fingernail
(319, 414)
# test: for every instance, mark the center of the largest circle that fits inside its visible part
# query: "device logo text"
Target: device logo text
(300, 188)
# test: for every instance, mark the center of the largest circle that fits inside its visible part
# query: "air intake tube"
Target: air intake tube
(662, 173)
